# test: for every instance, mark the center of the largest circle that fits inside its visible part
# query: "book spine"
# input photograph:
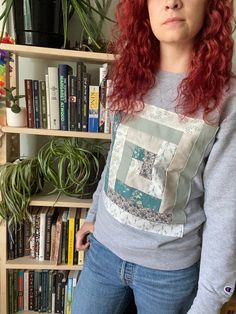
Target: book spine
(20, 290)
(43, 103)
(81, 68)
(10, 292)
(48, 101)
(33, 239)
(72, 84)
(63, 71)
(71, 238)
(54, 101)
(27, 236)
(31, 290)
(48, 234)
(42, 236)
(20, 241)
(29, 103)
(26, 290)
(107, 124)
(36, 103)
(10, 242)
(93, 108)
(102, 99)
(15, 290)
(85, 101)
(36, 289)
(69, 294)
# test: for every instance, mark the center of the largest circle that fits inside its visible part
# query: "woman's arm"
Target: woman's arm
(218, 258)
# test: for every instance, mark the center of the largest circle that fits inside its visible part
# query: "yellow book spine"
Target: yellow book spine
(71, 241)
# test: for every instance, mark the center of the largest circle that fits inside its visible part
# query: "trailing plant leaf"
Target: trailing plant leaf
(71, 166)
(18, 182)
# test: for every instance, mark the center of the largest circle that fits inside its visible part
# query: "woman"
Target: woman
(166, 204)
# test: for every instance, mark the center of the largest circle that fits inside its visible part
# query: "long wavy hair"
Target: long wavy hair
(134, 71)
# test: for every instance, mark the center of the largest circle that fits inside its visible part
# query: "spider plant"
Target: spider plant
(91, 16)
(71, 166)
(18, 181)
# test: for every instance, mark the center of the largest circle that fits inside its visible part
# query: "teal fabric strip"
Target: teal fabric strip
(137, 196)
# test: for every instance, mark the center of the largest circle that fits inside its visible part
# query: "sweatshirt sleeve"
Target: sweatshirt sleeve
(91, 216)
(218, 258)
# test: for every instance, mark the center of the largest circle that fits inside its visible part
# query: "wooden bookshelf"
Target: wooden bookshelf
(59, 133)
(59, 201)
(31, 263)
(58, 54)
(13, 134)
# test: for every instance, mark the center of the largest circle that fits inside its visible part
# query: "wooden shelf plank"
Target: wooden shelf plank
(60, 133)
(58, 54)
(61, 201)
(31, 263)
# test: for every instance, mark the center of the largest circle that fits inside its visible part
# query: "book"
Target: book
(11, 242)
(64, 242)
(26, 290)
(83, 214)
(29, 102)
(43, 104)
(72, 99)
(47, 101)
(107, 123)
(77, 219)
(54, 101)
(48, 226)
(27, 236)
(63, 71)
(103, 71)
(42, 233)
(58, 235)
(20, 241)
(85, 100)
(33, 233)
(20, 298)
(31, 290)
(61, 279)
(71, 235)
(36, 103)
(10, 292)
(93, 108)
(81, 68)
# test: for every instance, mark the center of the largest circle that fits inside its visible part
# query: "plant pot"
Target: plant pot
(16, 119)
(38, 23)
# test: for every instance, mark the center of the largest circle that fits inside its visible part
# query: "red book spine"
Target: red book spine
(29, 103)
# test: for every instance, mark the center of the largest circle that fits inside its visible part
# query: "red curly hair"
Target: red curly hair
(134, 72)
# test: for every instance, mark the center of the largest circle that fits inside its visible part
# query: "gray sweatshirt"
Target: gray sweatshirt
(167, 196)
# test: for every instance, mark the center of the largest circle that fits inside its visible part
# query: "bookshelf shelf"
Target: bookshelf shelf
(57, 54)
(30, 263)
(46, 132)
(61, 201)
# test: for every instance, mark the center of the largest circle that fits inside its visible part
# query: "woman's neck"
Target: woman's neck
(174, 58)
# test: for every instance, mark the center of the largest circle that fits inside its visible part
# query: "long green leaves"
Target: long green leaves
(71, 166)
(18, 181)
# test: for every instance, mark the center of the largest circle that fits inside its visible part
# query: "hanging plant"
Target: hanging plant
(18, 182)
(71, 166)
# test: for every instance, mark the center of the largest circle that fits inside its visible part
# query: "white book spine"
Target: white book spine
(42, 236)
(26, 290)
(54, 100)
(107, 125)
(48, 101)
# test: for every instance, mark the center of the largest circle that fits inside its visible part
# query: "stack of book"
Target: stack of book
(51, 235)
(67, 101)
(41, 290)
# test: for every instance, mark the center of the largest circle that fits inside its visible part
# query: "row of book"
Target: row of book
(50, 235)
(67, 101)
(41, 290)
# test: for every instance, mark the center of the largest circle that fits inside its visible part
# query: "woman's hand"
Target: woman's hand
(82, 242)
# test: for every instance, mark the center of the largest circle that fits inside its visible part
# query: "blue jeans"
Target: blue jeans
(107, 282)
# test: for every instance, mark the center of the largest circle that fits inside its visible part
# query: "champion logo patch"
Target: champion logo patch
(228, 290)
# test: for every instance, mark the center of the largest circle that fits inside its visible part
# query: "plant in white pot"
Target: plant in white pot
(16, 116)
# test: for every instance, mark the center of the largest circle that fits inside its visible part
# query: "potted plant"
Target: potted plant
(18, 181)
(72, 166)
(45, 22)
(16, 116)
